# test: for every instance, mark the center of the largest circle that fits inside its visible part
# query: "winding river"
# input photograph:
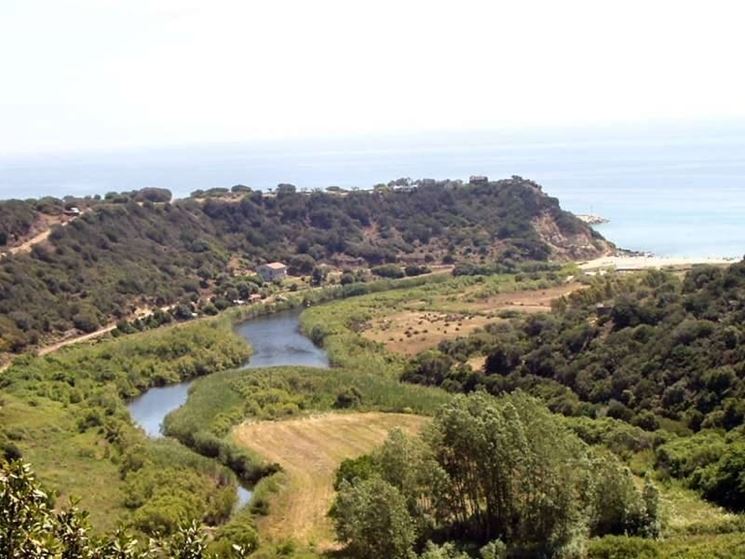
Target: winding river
(276, 341)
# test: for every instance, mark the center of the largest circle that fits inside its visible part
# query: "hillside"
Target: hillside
(649, 349)
(654, 349)
(135, 250)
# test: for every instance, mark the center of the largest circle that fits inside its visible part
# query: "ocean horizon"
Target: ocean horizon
(671, 191)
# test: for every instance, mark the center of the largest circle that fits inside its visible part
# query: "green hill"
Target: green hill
(140, 249)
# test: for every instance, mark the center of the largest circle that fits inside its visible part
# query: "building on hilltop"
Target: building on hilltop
(274, 271)
(478, 179)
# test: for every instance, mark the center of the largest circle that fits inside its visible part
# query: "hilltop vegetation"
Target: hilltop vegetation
(138, 249)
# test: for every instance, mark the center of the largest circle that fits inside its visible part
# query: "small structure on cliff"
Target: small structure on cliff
(478, 179)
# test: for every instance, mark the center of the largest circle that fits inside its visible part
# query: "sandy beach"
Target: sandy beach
(629, 263)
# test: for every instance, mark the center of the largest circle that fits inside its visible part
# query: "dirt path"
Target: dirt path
(28, 245)
(633, 263)
(309, 450)
(46, 225)
(69, 341)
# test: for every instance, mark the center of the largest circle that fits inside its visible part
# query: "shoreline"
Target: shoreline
(621, 263)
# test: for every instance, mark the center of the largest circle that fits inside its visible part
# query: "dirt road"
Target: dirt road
(62, 343)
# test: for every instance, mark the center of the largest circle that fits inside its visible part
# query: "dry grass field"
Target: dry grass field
(414, 329)
(529, 301)
(310, 450)
(410, 332)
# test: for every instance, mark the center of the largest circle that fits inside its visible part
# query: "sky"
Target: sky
(109, 74)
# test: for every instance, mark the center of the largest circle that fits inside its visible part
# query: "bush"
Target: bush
(416, 270)
(388, 271)
(622, 547)
(348, 398)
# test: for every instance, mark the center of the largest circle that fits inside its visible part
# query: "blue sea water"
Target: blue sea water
(674, 191)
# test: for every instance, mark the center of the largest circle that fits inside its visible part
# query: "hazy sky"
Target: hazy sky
(100, 74)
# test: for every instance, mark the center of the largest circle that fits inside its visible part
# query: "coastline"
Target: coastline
(622, 263)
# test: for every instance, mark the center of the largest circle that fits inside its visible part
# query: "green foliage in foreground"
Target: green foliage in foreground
(726, 546)
(31, 529)
(490, 469)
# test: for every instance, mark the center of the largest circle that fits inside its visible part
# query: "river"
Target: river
(276, 341)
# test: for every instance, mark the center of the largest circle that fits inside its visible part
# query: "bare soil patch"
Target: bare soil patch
(310, 450)
(410, 332)
(416, 329)
(529, 301)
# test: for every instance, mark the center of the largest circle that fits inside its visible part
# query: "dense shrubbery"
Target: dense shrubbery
(711, 462)
(645, 350)
(136, 248)
(651, 350)
(222, 400)
(489, 470)
(16, 218)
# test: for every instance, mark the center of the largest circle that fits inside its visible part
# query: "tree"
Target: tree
(430, 367)
(497, 470)
(501, 361)
(370, 517)
(348, 398)
(318, 276)
(86, 320)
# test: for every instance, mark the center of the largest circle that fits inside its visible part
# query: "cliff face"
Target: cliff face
(579, 242)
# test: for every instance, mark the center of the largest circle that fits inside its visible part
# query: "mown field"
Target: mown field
(357, 332)
(309, 450)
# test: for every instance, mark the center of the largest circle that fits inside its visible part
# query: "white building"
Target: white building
(274, 271)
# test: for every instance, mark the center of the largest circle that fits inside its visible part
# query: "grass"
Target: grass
(44, 399)
(69, 463)
(310, 450)
(66, 413)
(409, 332)
(685, 512)
(218, 402)
(409, 320)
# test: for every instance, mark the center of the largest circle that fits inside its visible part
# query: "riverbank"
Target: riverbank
(65, 414)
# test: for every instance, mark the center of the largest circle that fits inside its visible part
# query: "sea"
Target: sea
(674, 190)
